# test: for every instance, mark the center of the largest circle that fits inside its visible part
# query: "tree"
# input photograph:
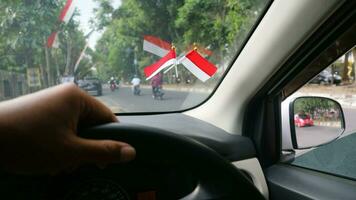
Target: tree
(315, 106)
(25, 27)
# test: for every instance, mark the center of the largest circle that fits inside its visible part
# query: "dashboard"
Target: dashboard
(132, 181)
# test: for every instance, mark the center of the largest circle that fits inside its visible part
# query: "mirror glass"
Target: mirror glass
(317, 121)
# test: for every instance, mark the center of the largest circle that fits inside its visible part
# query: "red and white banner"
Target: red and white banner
(156, 46)
(64, 17)
(52, 40)
(166, 61)
(67, 11)
(199, 66)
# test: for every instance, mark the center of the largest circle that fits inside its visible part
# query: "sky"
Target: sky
(85, 8)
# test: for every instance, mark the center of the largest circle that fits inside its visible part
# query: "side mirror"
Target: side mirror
(315, 121)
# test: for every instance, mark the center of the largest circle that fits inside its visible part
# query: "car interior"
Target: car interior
(233, 145)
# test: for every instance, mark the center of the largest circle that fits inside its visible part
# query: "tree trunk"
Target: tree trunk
(48, 67)
(69, 56)
(345, 77)
(55, 57)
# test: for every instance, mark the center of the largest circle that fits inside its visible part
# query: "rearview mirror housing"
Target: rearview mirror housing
(315, 121)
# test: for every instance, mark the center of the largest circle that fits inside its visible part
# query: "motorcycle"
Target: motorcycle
(157, 93)
(112, 87)
(136, 90)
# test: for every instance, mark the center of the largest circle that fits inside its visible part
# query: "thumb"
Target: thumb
(102, 152)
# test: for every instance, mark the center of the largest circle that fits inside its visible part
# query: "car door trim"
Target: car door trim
(253, 169)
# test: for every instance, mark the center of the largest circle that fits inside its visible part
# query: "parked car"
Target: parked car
(92, 85)
(67, 79)
(325, 77)
(303, 120)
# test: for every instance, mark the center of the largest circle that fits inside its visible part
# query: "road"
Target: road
(315, 135)
(123, 100)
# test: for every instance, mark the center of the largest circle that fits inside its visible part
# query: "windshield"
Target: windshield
(303, 116)
(147, 55)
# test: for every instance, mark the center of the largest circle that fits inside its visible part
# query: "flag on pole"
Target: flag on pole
(67, 11)
(163, 63)
(156, 46)
(52, 40)
(64, 17)
(199, 66)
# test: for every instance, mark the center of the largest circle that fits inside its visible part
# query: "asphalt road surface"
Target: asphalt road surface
(315, 135)
(123, 100)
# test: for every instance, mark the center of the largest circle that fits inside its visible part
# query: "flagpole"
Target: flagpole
(174, 65)
(80, 57)
(83, 51)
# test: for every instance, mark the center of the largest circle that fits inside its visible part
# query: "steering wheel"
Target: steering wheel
(217, 177)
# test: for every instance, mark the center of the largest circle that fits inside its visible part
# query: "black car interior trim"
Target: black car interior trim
(306, 184)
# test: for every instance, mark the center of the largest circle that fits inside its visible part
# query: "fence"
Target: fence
(12, 84)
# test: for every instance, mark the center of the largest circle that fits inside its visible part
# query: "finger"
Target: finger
(102, 152)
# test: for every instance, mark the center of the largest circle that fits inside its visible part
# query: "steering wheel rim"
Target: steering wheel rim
(217, 177)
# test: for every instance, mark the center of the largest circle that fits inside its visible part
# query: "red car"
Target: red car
(302, 120)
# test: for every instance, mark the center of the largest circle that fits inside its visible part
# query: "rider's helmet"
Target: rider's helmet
(112, 78)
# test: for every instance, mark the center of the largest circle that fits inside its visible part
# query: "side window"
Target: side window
(337, 154)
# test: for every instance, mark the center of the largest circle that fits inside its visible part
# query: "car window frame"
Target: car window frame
(327, 43)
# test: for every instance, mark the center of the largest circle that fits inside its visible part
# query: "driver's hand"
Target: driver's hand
(38, 132)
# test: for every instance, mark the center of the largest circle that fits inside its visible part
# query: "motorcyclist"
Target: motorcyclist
(136, 85)
(156, 84)
(112, 83)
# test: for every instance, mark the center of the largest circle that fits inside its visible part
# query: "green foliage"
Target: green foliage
(25, 27)
(311, 104)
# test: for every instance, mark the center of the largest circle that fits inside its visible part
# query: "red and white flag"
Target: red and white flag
(205, 52)
(67, 11)
(166, 61)
(52, 40)
(199, 66)
(156, 46)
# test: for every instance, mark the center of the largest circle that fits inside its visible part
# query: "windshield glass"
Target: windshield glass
(145, 55)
